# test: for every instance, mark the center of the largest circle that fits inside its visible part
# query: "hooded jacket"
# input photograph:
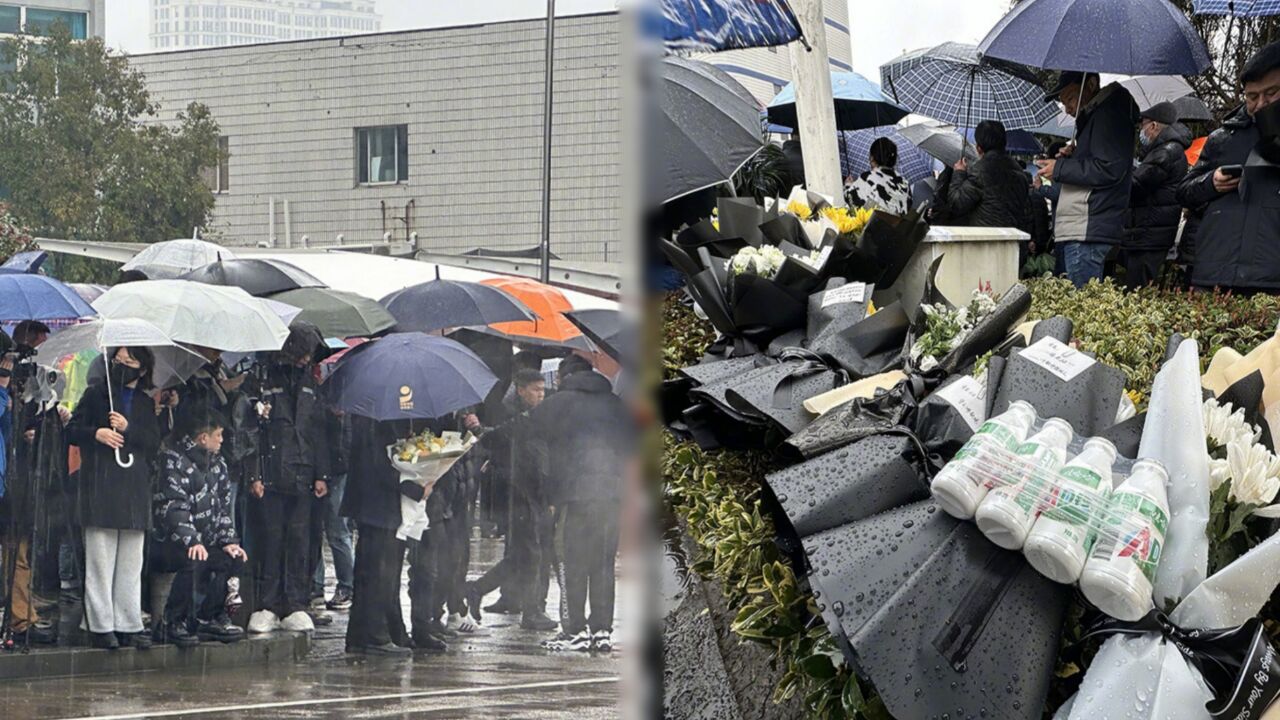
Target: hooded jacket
(1094, 201)
(1154, 210)
(582, 436)
(192, 504)
(995, 192)
(297, 452)
(1238, 241)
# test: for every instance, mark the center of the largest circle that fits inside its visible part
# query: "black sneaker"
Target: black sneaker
(429, 644)
(180, 635)
(320, 618)
(502, 607)
(538, 621)
(341, 600)
(104, 641)
(138, 641)
(42, 634)
(218, 630)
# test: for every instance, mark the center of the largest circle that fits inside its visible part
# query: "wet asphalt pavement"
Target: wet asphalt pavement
(500, 672)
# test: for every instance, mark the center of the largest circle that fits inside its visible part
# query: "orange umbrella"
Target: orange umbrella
(550, 327)
(1193, 152)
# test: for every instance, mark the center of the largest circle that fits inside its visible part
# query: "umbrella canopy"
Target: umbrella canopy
(171, 367)
(859, 104)
(1149, 90)
(1237, 8)
(409, 375)
(549, 326)
(25, 262)
(337, 313)
(256, 277)
(173, 258)
(705, 125)
(686, 26)
(1017, 142)
(87, 291)
(1134, 37)
(439, 304)
(914, 164)
(939, 140)
(1192, 108)
(1062, 125)
(36, 297)
(955, 84)
(608, 330)
(224, 318)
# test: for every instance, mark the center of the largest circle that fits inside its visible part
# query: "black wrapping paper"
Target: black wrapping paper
(1088, 401)
(704, 234)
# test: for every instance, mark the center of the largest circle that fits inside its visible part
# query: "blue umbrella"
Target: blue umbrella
(37, 297)
(914, 164)
(859, 104)
(955, 84)
(1237, 8)
(1130, 37)
(712, 25)
(439, 304)
(409, 375)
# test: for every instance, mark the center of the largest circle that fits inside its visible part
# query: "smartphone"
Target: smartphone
(1232, 171)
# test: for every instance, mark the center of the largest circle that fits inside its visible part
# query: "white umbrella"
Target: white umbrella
(215, 316)
(167, 260)
(938, 139)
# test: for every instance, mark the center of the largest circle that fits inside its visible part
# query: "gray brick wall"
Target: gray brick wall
(472, 98)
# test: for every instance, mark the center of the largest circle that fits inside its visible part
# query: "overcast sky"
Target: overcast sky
(881, 29)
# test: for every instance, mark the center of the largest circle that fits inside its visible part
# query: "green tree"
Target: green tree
(13, 238)
(84, 154)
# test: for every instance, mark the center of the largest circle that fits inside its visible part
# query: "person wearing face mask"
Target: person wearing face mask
(1154, 211)
(1095, 173)
(1236, 185)
(116, 427)
(295, 472)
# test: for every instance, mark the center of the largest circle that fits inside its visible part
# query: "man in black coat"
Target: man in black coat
(994, 192)
(1154, 211)
(794, 161)
(1238, 241)
(584, 437)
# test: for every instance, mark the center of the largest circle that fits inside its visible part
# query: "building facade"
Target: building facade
(186, 24)
(434, 132)
(85, 18)
(765, 71)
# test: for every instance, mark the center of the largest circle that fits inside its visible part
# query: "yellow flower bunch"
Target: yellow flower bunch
(799, 209)
(846, 222)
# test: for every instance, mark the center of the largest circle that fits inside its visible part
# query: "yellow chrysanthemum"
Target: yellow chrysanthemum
(799, 209)
(871, 308)
(845, 223)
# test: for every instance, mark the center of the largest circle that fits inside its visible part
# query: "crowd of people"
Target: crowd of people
(1121, 197)
(205, 505)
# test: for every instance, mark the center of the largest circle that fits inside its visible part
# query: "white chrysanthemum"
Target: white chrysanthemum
(1219, 472)
(773, 256)
(1254, 479)
(1223, 424)
(984, 302)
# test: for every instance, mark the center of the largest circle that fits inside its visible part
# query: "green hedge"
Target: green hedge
(717, 493)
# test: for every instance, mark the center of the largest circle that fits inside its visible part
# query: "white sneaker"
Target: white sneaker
(298, 622)
(462, 624)
(602, 640)
(263, 621)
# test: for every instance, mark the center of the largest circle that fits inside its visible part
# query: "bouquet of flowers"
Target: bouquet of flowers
(946, 327)
(422, 460)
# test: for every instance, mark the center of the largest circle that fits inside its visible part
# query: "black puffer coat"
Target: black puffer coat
(1154, 211)
(993, 193)
(193, 501)
(582, 436)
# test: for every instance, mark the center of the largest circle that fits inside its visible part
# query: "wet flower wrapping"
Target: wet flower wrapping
(1244, 479)
(945, 328)
(763, 261)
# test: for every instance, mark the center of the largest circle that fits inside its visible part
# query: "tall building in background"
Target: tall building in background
(85, 18)
(186, 24)
(765, 71)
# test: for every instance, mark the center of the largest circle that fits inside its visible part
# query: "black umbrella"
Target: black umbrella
(606, 329)
(439, 304)
(704, 127)
(254, 276)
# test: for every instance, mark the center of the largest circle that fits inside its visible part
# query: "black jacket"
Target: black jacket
(583, 436)
(203, 392)
(192, 504)
(508, 451)
(1154, 210)
(1238, 241)
(296, 452)
(1094, 201)
(111, 496)
(993, 193)
(795, 163)
(372, 494)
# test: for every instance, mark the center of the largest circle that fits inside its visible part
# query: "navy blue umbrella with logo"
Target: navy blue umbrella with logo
(407, 376)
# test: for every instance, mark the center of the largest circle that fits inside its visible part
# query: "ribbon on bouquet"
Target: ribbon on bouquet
(1239, 664)
(810, 363)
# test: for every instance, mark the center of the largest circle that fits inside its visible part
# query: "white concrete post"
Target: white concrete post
(815, 108)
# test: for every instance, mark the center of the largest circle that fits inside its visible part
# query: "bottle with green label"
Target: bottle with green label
(960, 487)
(1120, 574)
(1061, 538)
(1009, 510)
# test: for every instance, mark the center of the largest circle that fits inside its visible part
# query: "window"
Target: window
(382, 154)
(10, 19)
(218, 179)
(40, 21)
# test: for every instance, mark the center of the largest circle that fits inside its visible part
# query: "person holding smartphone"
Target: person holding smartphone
(1238, 192)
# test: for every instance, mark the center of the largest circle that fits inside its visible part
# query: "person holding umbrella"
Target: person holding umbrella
(994, 192)
(1095, 173)
(116, 427)
(1154, 212)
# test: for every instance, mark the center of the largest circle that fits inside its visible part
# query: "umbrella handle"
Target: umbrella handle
(122, 463)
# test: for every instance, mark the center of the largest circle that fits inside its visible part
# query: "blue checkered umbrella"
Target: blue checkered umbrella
(1237, 8)
(954, 84)
(914, 164)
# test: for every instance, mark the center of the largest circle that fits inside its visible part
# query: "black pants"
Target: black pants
(284, 545)
(524, 571)
(376, 618)
(195, 579)
(590, 547)
(424, 574)
(1142, 267)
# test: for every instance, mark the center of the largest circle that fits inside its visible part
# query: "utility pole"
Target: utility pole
(815, 108)
(546, 141)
